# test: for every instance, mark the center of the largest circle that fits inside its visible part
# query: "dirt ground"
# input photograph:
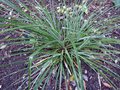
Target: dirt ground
(11, 81)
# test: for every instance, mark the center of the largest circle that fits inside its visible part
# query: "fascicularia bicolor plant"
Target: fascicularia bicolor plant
(58, 46)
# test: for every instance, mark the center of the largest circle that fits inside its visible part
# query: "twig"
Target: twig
(99, 80)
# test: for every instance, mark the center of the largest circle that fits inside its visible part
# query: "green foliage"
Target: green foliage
(117, 3)
(60, 46)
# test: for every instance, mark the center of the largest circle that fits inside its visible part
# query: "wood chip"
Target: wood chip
(85, 88)
(107, 85)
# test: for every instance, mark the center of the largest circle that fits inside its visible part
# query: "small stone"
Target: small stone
(0, 86)
(85, 20)
(25, 10)
(3, 46)
(64, 7)
(25, 54)
(116, 37)
(63, 28)
(90, 77)
(85, 71)
(58, 7)
(85, 77)
(76, 88)
(95, 21)
(116, 61)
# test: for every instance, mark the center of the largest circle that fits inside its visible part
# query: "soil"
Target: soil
(11, 81)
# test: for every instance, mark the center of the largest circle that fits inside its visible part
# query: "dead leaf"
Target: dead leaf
(72, 78)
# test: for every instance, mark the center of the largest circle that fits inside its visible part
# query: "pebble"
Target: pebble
(0, 86)
(116, 61)
(85, 71)
(76, 88)
(90, 77)
(85, 77)
(115, 37)
(3, 46)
